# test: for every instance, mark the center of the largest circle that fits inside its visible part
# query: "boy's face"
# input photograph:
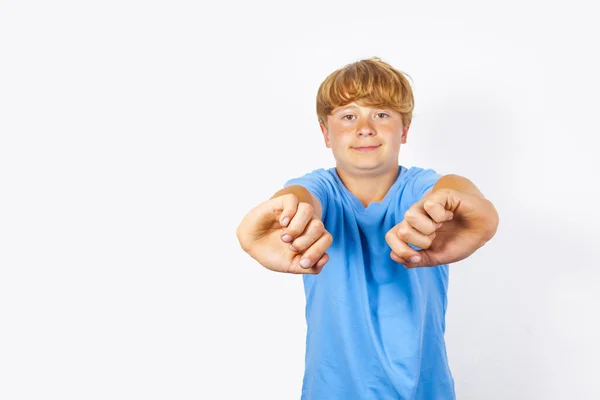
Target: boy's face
(365, 140)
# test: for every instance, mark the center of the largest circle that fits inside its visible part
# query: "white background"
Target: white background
(134, 136)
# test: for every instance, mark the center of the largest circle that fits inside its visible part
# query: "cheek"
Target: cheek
(340, 143)
(395, 140)
(339, 137)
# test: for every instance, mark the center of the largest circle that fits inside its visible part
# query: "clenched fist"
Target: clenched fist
(446, 225)
(284, 235)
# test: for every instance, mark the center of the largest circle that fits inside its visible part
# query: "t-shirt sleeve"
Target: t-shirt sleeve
(316, 183)
(424, 180)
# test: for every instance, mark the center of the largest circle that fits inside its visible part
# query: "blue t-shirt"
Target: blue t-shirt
(375, 329)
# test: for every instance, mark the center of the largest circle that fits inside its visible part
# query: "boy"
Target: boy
(376, 312)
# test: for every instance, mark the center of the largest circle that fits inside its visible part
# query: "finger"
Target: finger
(421, 221)
(400, 260)
(441, 205)
(318, 267)
(297, 225)
(408, 234)
(314, 230)
(322, 261)
(295, 267)
(437, 212)
(316, 251)
(287, 205)
(400, 248)
(407, 263)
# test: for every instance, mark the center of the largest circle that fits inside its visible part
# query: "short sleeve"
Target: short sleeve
(317, 184)
(424, 180)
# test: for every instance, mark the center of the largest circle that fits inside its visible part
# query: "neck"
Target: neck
(368, 188)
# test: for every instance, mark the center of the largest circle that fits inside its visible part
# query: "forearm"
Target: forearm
(458, 183)
(303, 196)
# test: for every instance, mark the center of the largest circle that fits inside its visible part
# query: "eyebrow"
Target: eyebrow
(354, 106)
(346, 108)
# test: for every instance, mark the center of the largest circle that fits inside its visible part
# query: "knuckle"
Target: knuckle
(292, 229)
(312, 252)
(307, 209)
(427, 229)
(431, 238)
(299, 244)
(290, 197)
(403, 257)
(294, 232)
(318, 227)
(388, 235)
(400, 252)
(403, 230)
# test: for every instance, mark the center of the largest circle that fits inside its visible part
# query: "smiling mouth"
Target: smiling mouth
(366, 148)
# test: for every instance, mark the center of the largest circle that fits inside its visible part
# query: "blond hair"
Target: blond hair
(373, 83)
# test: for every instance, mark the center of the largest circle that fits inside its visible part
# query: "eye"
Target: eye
(349, 115)
(382, 113)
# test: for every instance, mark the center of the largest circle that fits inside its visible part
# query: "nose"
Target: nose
(364, 128)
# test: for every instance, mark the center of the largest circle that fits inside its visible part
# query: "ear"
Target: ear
(325, 134)
(405, 134)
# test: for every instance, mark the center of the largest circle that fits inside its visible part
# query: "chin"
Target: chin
(368, 167)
